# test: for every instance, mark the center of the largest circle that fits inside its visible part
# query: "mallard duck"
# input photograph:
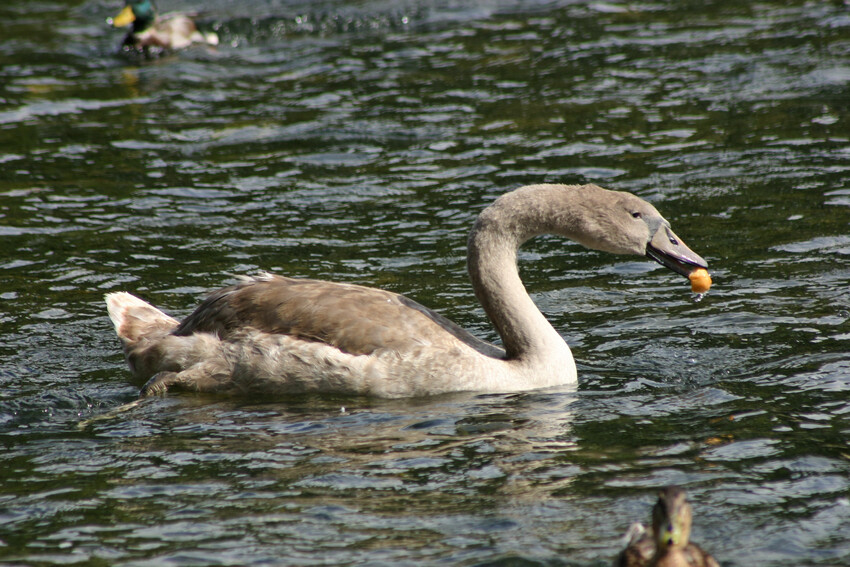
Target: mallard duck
(170, 31)
(666, 544)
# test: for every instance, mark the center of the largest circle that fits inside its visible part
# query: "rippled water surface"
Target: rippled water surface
(357, 141)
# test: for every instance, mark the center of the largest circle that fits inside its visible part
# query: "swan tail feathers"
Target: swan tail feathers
(135, 319)
(153, 350)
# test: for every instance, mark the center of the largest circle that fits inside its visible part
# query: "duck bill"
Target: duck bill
(670, 536)
(668, 250)
(124, 18)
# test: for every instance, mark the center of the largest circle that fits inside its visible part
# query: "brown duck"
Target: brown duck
(667, 543)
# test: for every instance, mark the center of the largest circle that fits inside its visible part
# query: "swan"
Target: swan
(272, 335)
(668, 543)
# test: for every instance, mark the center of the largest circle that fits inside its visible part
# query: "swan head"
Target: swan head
(622, 223)
(597, 218)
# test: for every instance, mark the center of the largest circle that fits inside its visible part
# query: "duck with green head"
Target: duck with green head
(169, 31)
(667, 544)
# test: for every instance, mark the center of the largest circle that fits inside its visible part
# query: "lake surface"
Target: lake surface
(357, 141)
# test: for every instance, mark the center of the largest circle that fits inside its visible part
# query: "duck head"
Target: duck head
(140, 13)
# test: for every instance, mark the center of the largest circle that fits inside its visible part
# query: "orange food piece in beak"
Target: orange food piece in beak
(700, 280)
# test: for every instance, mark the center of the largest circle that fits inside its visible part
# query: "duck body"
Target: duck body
(162, 32)
(691, 555)
(274, 335)
(667, 543)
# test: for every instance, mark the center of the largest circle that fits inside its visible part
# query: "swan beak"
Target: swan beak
(124, 18)
(668, 250)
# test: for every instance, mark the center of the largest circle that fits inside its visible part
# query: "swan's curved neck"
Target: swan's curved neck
(492, 262)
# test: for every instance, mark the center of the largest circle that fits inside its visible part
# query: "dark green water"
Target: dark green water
(357, 141)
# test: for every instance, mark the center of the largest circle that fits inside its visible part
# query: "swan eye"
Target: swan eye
(636, 214)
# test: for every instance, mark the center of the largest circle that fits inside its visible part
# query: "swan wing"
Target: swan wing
(352, 318)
